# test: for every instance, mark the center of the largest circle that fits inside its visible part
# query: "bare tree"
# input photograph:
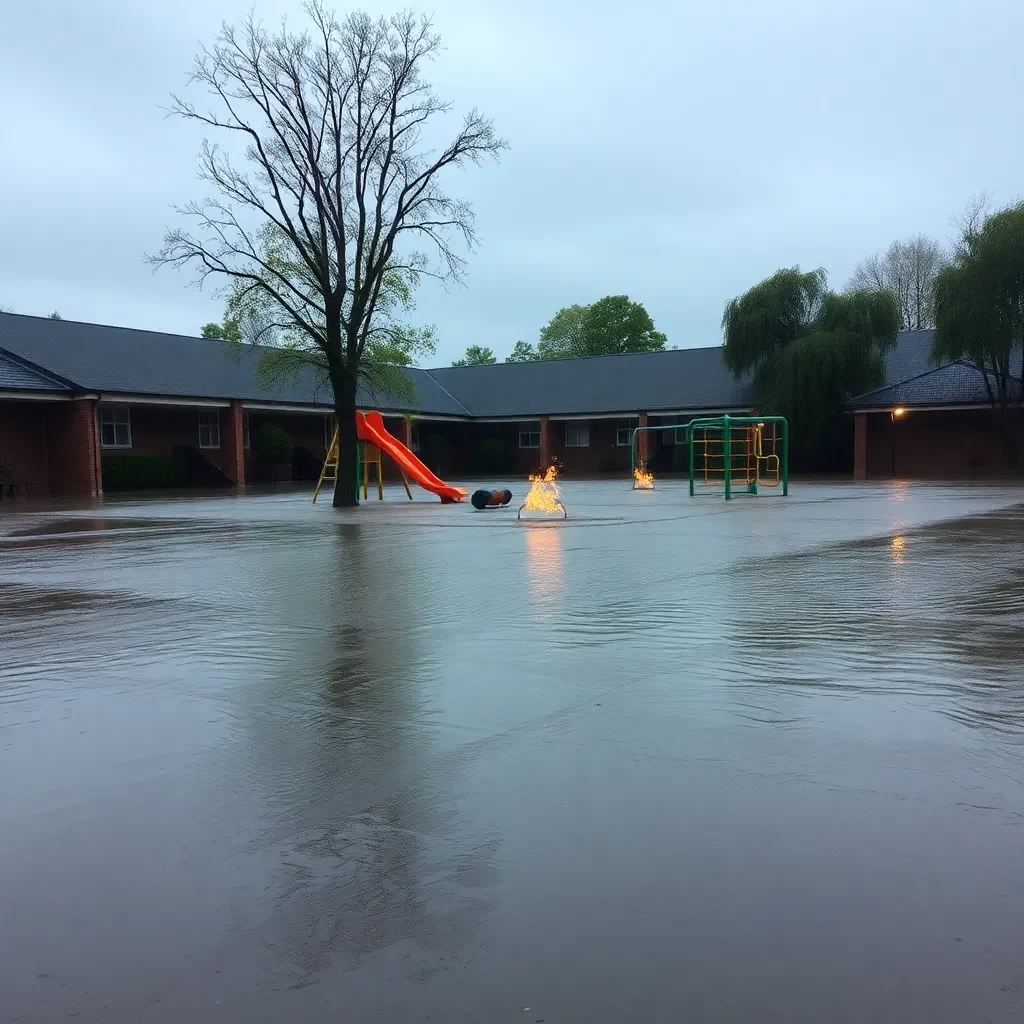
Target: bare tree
(340, 203)
(908, 269)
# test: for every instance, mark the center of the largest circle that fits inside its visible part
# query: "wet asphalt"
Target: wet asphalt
(669, 760)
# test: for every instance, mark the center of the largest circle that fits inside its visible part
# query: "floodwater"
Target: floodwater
(670, 760)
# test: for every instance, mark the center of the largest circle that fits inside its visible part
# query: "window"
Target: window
(577, 434)
(245, 431)
(624, 431)
(675, 436)
(209, 428)
(529, 435)
(414, 440)
(115, 426)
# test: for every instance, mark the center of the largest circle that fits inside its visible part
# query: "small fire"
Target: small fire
(643, 478)
(544, 494)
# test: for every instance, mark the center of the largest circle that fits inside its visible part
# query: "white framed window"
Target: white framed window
(209, 428)
(115, 426)
(414, 439)
(624, 430)
(245, 430)
(529, 435)
(677, 435)
(577, 434)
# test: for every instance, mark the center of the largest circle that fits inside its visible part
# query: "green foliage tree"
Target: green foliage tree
(610, 325)
(979, 313)
(55, 315)
(229, 330)
(522, 352)
(476, 355)
(809, 350)
(333, 121)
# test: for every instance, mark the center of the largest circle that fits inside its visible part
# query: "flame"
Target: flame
(544, 493)
(643, 478)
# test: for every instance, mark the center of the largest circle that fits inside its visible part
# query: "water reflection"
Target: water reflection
(371, 844)
(865, 618)
(898, 549)
(545, 567)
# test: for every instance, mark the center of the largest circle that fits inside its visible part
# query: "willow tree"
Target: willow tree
(808, 350)
(979, 313)
(333, 190)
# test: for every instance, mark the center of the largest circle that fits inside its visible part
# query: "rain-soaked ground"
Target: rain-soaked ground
(669, 760)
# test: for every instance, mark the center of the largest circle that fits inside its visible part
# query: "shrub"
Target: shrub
(494, 456)
(272, 444)
(610, 462)
(136, 472)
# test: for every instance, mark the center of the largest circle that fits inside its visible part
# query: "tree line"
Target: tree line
(810, 349)
(612, 325)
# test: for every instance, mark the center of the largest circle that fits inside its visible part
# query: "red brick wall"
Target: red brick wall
(934, 445)
(587, 461)
(23, 441)
(860, 446)
(72, 444)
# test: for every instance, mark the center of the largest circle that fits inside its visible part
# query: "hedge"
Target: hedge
(135, 472)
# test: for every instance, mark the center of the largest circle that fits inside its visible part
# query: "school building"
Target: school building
(78, 401)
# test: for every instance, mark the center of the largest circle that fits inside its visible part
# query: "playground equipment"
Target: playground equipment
(745, 451)
(748, 452)
(374, 439)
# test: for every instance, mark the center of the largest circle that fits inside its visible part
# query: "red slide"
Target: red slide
(370, 427)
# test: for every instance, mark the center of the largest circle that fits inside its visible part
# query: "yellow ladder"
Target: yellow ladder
(370, 455)
(330, 463)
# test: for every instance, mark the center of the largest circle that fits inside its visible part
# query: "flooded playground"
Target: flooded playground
(669, 759)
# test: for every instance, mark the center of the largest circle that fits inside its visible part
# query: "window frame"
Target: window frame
(114, 423)
(577, 427)
(526, 430)
(632, 422)
(209, 426)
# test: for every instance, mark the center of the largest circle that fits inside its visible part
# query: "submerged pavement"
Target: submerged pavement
(670, 760)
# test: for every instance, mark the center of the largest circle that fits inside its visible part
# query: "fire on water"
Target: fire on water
(544, 495)
(643, 478)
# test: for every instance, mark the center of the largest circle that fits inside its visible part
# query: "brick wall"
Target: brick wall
(23, 442)
(588, 461)
(72, 446)
(934, 445)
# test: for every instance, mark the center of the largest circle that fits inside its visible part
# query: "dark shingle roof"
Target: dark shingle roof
(959, 383)
(118, 359)
(910, 356)
(93, 357)
(678, 380)
(16, 375)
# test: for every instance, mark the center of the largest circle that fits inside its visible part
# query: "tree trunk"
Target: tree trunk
(346, 486)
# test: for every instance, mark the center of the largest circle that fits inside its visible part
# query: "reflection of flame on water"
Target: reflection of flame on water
(544, 493)
(643, 478)
(897, 550)
(544, 563)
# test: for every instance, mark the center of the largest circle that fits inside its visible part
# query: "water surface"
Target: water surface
(670, 760)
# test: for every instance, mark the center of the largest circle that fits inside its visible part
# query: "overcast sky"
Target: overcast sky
(677, 152)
